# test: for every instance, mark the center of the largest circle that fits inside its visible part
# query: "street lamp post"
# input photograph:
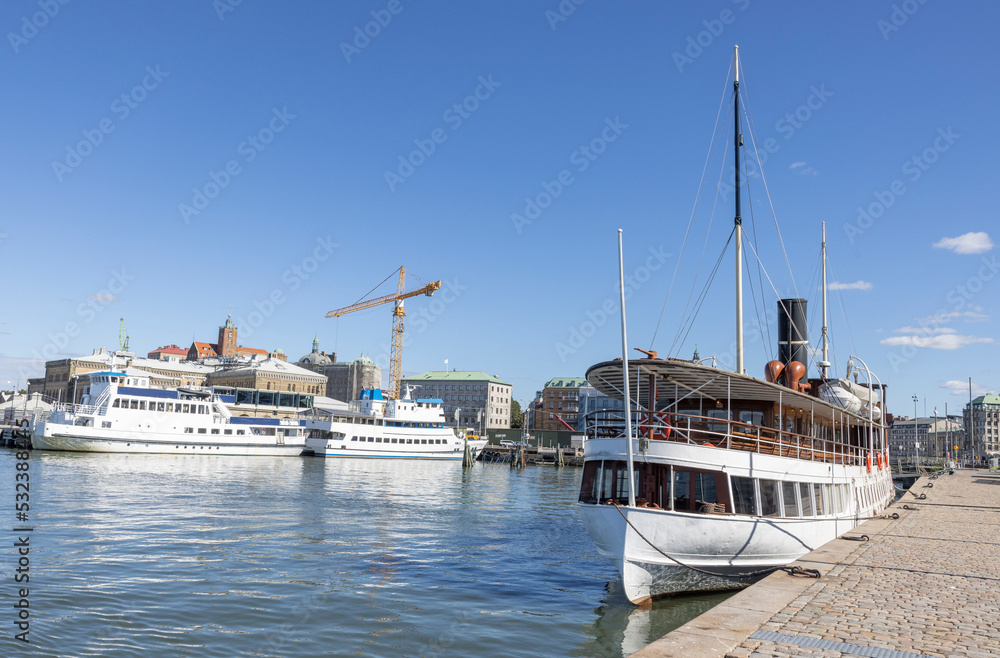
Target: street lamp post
(937, 448)
(916, 437)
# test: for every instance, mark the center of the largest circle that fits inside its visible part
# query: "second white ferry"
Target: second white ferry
(375, 428)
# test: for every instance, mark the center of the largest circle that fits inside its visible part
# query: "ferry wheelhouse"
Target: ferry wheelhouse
(376, 428)
(120, 412)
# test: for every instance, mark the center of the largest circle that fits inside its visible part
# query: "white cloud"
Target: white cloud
(103, 297)
(940, 342)
(970, 243)
(970, 316)
(796, 165)
(926, 330)
(958, 387)
(857, 285)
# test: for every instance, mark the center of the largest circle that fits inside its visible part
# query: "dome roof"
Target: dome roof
(316, 359)
(363, 361)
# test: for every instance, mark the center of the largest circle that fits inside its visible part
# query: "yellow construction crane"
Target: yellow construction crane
(396, 355)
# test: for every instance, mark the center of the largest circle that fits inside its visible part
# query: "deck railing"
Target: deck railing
(734, 435)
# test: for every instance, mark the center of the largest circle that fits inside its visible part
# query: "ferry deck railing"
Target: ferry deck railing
(838, 448)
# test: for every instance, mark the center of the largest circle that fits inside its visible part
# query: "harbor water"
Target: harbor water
(223, 556)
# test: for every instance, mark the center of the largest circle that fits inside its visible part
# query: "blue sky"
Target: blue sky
(162, 163)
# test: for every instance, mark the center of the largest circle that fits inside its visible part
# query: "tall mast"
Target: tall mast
(824, 367)
(625, 378)
(738, 142)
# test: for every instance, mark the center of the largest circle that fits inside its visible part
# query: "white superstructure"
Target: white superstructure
(375, 428)
(120, 412)
(719, 489)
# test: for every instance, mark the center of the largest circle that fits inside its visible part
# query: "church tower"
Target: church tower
(227, 338)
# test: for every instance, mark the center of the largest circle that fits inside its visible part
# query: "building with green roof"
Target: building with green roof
(982, 426)
(560, 403)
(482, 400)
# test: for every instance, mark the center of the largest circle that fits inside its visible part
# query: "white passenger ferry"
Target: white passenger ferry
(400, 429)
(120, 412)
(718, 477)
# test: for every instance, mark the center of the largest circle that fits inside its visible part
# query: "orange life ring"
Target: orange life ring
(660, 427)
(879, 460)
(869, 462)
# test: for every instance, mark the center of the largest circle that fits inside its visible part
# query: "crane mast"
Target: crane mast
(398, 315)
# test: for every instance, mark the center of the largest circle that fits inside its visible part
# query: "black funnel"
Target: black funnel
(793, 335)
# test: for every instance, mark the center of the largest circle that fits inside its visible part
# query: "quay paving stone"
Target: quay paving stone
(926, 584)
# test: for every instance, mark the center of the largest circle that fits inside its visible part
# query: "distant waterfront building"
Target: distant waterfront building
(168, 353)
(593, 400)
(344, 380)
(935, 436)
(482, 400)
(227, 346)
(982, 426)
(560, 399)
(268, 375)
(65, 379)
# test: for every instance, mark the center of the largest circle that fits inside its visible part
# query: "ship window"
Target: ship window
(170, 406)
(720, 414)
(409, 440)
(821, 507)
(830, 491)
(354, 438)
(188, 430)
(682, 490)
(105, 423)
(201, 430)
(743, 496)
(142, 405)
(201, 409)
(752, 417)
(769, 498)
(394, 440)
(240, 432)
(227, 431)
(371, 439)
(590, 491)
(133, 404)
(378, 439)
(215, 431)
(805, 497)
(704, 488)
(159, 406)
(791, 498)
(114, 405)
(423, 440)
(187, 408)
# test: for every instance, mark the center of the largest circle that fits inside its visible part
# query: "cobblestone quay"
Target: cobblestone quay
(927, 584)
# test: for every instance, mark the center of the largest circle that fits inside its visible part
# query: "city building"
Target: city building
(982, 426)
(935, 435)
(593, 400)
(268, 375)
(227, 346)
(344, 380)
(66, 379)
(559, 404)
(482, 401)
(168, 353)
